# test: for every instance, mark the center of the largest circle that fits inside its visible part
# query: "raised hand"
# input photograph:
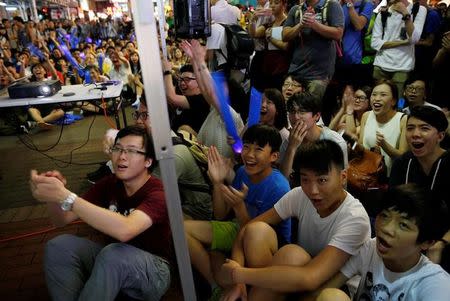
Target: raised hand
(297, 134)
(218, 168)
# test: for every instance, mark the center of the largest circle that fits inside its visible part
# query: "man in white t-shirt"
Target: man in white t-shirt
(392, 266)
(304, 110)
(223, 12)
(332, 225)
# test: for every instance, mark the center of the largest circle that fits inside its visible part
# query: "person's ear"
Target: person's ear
(441, 136)
(317, 116)
(274, 156)
(148, 163)
(343, 176)
(426, 244)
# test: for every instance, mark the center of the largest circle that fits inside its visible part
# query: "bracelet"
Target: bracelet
(167, 72)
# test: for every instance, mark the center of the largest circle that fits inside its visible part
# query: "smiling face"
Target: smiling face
(258, 161)
(382, 100)
(290, 87)
(422, 138)
(323, 189)
(415, 93)
(188, 84)
(268, 111)
(130, 167)
(39, 72)
(397, 240)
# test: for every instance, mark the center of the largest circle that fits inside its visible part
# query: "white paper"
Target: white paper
(276, 34)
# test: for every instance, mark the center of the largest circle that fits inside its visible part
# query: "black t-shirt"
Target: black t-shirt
(195, 115)
(437, 181)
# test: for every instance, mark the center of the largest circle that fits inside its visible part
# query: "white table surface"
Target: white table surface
(82, 93)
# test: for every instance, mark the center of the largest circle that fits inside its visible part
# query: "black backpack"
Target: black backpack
(240, 47)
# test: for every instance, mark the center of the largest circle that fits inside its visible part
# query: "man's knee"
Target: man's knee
(291, 255)
(58, 245)
(115, 254)
(259, 230)
(332, 294)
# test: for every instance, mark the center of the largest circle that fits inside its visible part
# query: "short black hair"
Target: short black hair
(430, 213)
(318, 156)
(134, 130)
(262, 135)
(18, 19)
(434, 117)
(306, 101)
(280, 105)
(187, 68)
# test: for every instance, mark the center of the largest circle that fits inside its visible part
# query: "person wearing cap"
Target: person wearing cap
(427, 163)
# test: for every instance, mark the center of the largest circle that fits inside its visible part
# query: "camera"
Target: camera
(192, 19)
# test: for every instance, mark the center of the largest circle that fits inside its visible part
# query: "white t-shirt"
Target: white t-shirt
(218, 42)
(425, 281)
(407, 110)
(346, 228)
(122, 74)
(222, 12)
(213, 131)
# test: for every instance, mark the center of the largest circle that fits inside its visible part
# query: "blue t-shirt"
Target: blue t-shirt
(352, 40)
(263, 195)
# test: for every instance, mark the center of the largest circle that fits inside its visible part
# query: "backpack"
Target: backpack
(200, 154)
(240, 47)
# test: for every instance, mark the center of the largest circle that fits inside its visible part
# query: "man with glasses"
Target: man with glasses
(416, 94)
(129, 207)
(190, 108)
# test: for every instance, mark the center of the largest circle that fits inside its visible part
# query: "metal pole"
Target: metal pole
(146, 34)
(162, 23)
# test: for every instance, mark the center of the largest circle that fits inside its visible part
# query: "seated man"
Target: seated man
(416, 95)
(304, 112)
(332, 225)
(392, 264)
(129, 207)
(427, 164)
(255, 188)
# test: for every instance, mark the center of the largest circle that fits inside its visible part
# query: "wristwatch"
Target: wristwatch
(67, 204)
(167, 72)
(406, 17)
(349, 4)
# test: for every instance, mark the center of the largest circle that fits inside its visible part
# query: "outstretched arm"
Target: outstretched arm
(50, 189)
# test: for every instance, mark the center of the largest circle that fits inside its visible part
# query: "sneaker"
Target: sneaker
(101, 172)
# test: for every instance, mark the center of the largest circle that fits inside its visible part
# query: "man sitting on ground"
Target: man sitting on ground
(332, 225)
(129, 207)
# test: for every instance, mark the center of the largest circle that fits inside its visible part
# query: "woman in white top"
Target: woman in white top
(384, 128)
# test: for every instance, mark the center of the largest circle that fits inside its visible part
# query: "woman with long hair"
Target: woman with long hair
(383, 128)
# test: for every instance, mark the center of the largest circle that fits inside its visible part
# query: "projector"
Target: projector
(34, 89)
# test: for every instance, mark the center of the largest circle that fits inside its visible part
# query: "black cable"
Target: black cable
(33, 147)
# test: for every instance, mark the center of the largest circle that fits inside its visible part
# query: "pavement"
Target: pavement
(23, 234)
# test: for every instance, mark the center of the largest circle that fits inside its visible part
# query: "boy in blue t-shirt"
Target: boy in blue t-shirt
(255, 189)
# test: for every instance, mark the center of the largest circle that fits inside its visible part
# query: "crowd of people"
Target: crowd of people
(279, 210)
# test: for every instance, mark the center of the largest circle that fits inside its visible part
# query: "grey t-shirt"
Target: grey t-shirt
(314, 55)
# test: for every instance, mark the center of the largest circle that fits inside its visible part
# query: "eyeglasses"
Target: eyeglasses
(116, 150)
(186, 79)
(411, 88)
(139, 115)
(361, 98)
(291, 85)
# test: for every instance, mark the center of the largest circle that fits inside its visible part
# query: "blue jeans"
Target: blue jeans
(79, 269)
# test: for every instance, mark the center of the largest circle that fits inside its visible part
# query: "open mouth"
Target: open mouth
(377, 105)
(121, 167)
(417, 145)
(383, 246)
